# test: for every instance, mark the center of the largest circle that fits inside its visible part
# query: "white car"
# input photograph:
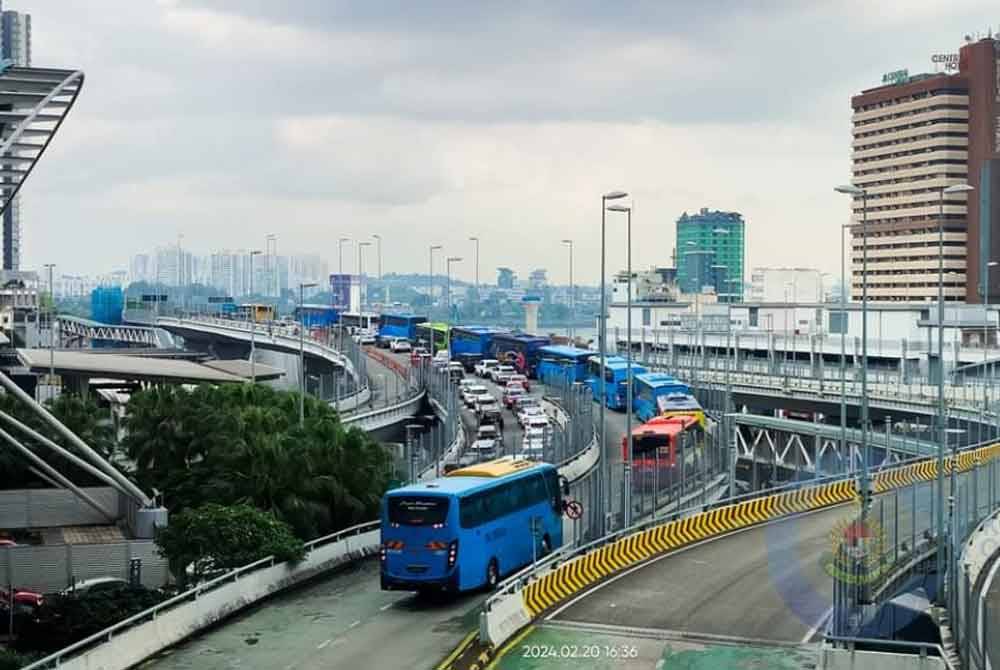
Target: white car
(500, 373)
(96, 585)
(365, 338)
(533, 444)
(399, 345)
(537, 422)
(472, 393)
(484, 366)
(528, 412)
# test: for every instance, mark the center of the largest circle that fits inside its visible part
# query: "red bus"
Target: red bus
(655, 442)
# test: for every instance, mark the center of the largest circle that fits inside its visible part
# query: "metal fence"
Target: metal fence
(899, 535)
(49, 508)
(48, 568)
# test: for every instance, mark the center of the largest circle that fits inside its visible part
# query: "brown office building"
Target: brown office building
(914, 137)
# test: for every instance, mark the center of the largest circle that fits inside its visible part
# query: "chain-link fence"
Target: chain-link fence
(570, 434)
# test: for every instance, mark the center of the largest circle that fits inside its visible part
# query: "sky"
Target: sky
(427, 123)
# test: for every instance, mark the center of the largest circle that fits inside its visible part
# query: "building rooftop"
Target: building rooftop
(120, 366)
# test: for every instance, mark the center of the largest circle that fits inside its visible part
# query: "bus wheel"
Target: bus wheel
(492, 574)
(546, 545)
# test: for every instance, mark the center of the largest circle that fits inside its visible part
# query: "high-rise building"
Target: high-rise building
(913, 137)
(505, 278)
(538, 279)
(141, 268)
(15, 46)
(710, 247)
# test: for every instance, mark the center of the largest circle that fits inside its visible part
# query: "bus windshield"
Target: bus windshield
(418, 510)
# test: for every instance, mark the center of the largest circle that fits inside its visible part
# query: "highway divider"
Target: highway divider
(527, 595)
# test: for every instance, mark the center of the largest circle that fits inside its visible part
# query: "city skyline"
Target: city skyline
(418, 149)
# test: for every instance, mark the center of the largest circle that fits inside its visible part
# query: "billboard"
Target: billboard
(340, 287)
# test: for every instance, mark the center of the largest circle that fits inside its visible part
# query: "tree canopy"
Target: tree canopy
(242, 444)
(216, 538)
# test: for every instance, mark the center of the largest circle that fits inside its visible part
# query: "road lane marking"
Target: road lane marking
(385, 607)
(819, 624)
(356, 623)
(322, 645)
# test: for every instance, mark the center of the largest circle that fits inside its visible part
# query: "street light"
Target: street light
(253, 324)
(864, 483)
(340, 253)
(572, 295)
(627, 483)
(302, 354)
(448, 262)
(942, 420)
(361, 281)
(430, 290)
(602, 341)
(52, 332)
(378, 239)
(476, 240)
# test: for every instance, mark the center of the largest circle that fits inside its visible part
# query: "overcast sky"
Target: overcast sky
(428, 122)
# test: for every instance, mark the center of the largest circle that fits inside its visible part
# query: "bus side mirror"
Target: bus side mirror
(564, 484)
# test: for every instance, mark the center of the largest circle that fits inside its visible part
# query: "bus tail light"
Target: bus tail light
(434, 545)
(393, 544)
(452, 553)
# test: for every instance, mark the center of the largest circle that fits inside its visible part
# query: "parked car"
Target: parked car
(96, 585)
(520, 379)
(4, 542)
(501, 373)
(400, 345)
(472, 393)
(510, 394)
(485, 366)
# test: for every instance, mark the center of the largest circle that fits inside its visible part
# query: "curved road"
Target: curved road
(346, 620)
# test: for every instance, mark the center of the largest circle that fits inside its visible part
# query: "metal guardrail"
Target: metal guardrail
(922, 649)
(109, 633)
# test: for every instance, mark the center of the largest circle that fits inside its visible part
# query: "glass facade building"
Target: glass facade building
(710, 253)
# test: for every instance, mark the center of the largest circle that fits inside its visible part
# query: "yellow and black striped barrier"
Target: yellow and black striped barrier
(581, 572)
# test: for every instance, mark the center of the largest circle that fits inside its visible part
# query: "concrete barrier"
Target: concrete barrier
(137, 638)
(857, 659)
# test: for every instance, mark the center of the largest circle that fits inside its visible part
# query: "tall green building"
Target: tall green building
(710, 253)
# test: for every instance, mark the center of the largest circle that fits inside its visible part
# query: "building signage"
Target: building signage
(897, 77)
(947, 61)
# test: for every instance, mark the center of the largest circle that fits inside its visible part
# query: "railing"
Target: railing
(188, 596)
(976, 624)
(853, 644)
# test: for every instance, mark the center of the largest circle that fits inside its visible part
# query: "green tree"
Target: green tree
(242, 444)
(215, 538)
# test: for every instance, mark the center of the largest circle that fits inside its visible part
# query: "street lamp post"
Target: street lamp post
(430, 292)
(864, 484)
(986, 321)
(361, 281)
(602, 340)
(448, 262)
(340, 253)
(572, 295)
(253, 322)
(942, 420)
(378, 240)
(52, 326)
(627, 469)
(476, 240)
(302, 354)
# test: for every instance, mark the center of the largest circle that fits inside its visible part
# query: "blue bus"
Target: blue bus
(399, 325)
(471, 527)
(650, 391)
(521, 350)
(615, 376)
(316, 316)
(561, 365)
(472, 340)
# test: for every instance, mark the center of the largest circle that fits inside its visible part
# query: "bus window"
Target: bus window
(418, 511)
